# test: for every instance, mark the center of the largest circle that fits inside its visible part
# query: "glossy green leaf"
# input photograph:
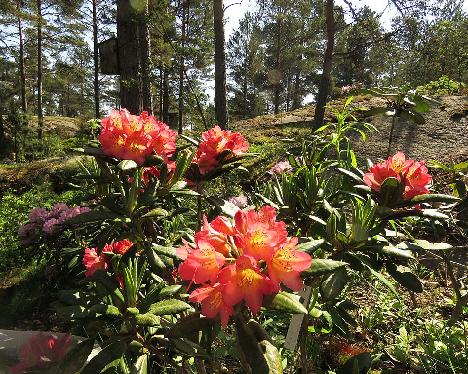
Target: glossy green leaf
(332, 286)
(261, 355)
(286, 302)
(127, 165)
(112, 352)
(170, 306)
(157, 212)
(321, 266)
(310, 246)
(434, 198)
(405, 278)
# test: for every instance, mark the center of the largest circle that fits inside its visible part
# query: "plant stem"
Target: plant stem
(391, 135)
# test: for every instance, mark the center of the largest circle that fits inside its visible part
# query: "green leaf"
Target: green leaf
(141, 365)
(323, 266)
(461, 166)
(170, 306)
(109, 354)
(359, 364)
(127, 165)
(389, 191)
(190, 140)
(96, 215)
(332, 286)
(433, 213)
(405, 278)
(310, 246)
(165, 251)
(147, 319)
(169, 290)
(424, 244)
(261, 355)
(396, 252)
(186, 326)
(434, 198)
(157, 212)
(350, 174)
(285, 301)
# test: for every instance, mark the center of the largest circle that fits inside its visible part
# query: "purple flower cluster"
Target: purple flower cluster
(41, 221)
(281, 167)
(239, 201)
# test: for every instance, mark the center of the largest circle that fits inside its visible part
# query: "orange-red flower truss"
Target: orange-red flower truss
(212, 302)
(129, 137)
(412, 174)
(240, 261)
(93, 261)
(215, 142)
(258, 234)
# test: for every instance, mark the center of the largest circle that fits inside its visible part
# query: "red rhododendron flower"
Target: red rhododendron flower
(93, 261)
(122, 246)
(212, 302)
(41, 350)
(413, 174)
(202, 264)
(287, 263)
(245, 281)
(416, 180)
(216, 234)
(259, 234)
(216, 142)
(243, 261)
(125, 136)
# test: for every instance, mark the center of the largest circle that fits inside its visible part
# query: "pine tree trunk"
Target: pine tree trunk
(96, 61)
(127, 40)
(24, 103)
(277, 77)
(220, 66)
(144, 43)
(165, 107)
(2, 128)
(40, 114)
(182, 66)
(161, 93)
(297, 82)
(327, 65)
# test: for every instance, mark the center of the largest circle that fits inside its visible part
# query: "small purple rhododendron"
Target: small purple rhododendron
(239, 201)
(281, 167)
(50, 223)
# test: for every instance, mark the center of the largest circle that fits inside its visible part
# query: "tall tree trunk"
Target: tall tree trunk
(161, 92)
(277, 75)
(220, 66)
(40, 114)
(327, 65)
(297, 82)
(165, 99)
(127, 40)
(24, 103)
(145, 61)
(185, 4)
(96, 61)
(244, 93)
(2, 128)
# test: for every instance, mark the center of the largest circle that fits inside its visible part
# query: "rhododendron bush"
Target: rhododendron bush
(168, 269)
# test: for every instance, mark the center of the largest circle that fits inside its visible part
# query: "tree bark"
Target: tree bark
(297, 83)
(185, 4)
(145, 61)
(277, 76)
(165, 98)
(327, 66)
(127, 40)
(40, 114)
(96, 61)
(220, 66)
(24, 103)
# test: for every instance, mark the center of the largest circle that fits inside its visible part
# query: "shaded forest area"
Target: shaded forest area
(49, 55)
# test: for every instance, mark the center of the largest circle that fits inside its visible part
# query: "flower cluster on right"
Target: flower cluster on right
(412, 174)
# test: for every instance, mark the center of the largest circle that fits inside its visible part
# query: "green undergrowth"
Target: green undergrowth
(14, 209)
